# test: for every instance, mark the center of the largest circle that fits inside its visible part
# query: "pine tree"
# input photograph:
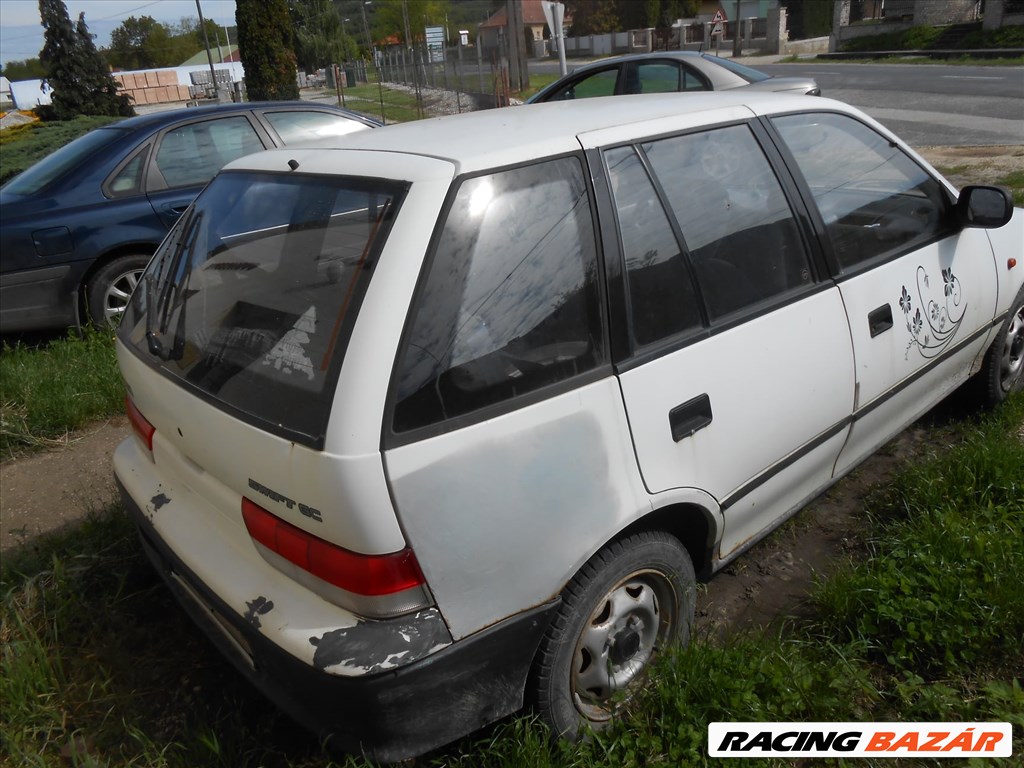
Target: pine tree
(265, 48)
(75, 71)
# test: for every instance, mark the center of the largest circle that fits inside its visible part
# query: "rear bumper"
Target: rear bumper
(388, 716)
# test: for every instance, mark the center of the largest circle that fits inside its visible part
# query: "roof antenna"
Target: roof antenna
(293, 164)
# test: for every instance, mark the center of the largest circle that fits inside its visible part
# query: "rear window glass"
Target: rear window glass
(252, 296)
(56, 164)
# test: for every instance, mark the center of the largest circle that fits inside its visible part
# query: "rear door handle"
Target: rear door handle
(880, 320)
(691, 416)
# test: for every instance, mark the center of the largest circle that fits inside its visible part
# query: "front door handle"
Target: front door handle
(689, 417)
(880, 320)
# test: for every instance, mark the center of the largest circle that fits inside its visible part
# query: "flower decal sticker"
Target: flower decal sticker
(933, 330)
(905, 301)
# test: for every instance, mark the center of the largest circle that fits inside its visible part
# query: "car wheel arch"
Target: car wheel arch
(121, 251)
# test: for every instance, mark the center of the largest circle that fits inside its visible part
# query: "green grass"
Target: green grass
(45, 392)
(23, 145)
(97, 658)
(1014, 181)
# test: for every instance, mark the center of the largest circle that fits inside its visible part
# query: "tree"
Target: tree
(29, 69)
(321, 38)
(265, 48)
(81, 82)
(142, 43)
(593, 17)
(391, 18)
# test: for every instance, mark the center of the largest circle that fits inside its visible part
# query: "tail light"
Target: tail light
(143, 429)
(372, 585)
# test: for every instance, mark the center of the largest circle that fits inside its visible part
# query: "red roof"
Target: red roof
(532, 14)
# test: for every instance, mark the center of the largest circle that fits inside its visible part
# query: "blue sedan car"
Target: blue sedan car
(78, 228)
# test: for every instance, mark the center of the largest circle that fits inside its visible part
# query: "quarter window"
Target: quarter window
(511, 302)
(738, 228)
(873, 198)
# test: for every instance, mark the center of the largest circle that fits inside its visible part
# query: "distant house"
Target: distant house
(534, 25)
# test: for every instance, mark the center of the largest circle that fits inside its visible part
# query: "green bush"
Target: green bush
(24, 145)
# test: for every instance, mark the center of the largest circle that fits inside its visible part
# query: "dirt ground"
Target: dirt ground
(43, 492)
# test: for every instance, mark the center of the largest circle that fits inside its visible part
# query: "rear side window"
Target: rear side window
(251, 298)
(662, 299)
(873, 199)
(598, 84)
(742, 239)
(511, 301)
(190, 155)
(58, 163)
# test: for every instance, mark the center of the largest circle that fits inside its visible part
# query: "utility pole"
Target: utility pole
(517, 63)
(209, 56)
(737, 46)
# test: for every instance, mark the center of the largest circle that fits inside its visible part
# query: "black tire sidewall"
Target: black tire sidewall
(101, 281)
(652, 551)
(994, 394)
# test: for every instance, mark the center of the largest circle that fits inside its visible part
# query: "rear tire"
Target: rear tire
(626, 606)
(107, 294)
(1002, 372)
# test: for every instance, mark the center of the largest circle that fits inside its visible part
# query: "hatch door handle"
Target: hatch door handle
(691, 416)
(880, 320)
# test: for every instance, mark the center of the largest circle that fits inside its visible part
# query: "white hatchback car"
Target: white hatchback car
(451, 416)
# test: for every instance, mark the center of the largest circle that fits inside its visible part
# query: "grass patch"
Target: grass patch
(45, 392)
(1014, 181)
(100, 667)
(24, 145)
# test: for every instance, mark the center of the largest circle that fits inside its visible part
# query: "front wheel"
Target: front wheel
(631, 601)
(108, 291)
(1002, 373)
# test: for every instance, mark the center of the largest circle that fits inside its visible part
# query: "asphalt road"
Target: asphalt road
(927, 104)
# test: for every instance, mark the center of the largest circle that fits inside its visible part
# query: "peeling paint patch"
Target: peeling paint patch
(159, 500)
(373, 646)
(257, 608)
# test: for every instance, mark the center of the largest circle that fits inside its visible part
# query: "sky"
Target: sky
(21, 34)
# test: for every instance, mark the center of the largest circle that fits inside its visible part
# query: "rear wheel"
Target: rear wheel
(108, 292)
(1002, 373)
(630, 602)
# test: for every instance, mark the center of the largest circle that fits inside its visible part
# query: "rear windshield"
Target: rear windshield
(748, 74)
(251, 298)
(56, 164)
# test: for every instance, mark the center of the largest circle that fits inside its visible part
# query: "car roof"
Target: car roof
(641, 57)
(161, 119)
(499, 137)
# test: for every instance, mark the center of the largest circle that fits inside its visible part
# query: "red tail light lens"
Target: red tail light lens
(143, 429)
(370, 575)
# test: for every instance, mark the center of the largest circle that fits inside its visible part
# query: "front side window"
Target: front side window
(598, 84)
(873, 198)
(511, 301)
(252, 296)
(742, 238)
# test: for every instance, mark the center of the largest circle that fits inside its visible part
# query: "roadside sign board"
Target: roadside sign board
(435, 42)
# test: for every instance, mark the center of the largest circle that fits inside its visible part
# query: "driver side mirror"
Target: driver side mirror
(985, 207)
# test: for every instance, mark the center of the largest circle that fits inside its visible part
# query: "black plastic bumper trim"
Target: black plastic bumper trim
(387, 716)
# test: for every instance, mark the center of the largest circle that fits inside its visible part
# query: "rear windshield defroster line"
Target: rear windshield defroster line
(251, 299)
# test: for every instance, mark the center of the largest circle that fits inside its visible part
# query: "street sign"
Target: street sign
(719, 17)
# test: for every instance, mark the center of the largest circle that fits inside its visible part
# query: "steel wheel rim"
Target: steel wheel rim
(630, 624)
(116, 297)
(1012, 358)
